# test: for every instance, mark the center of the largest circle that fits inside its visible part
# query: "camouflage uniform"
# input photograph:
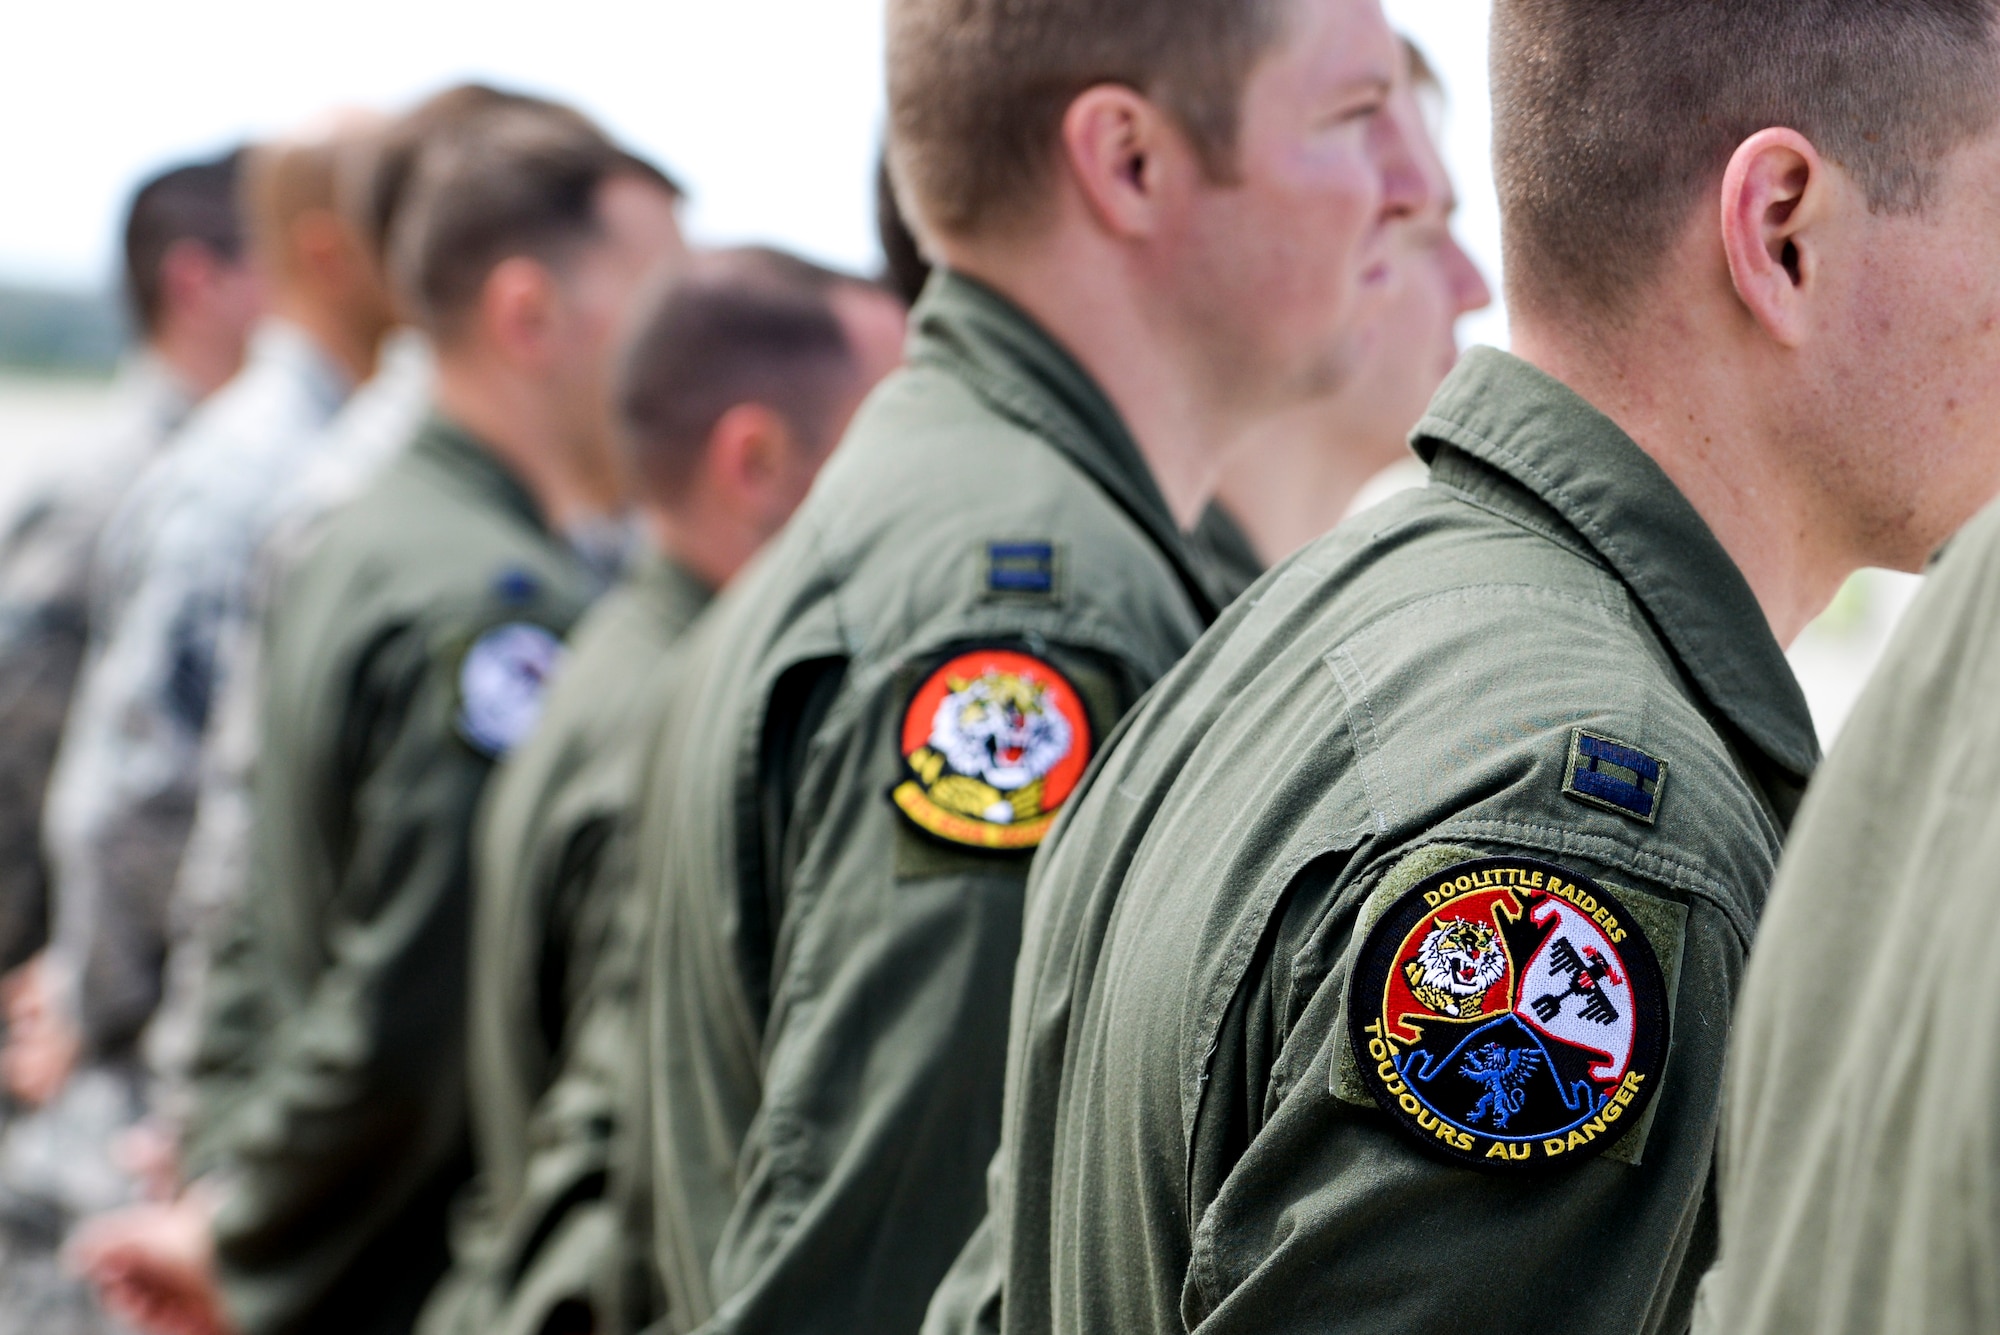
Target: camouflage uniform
(53, 1165)
(371, 429)
(174, 561)
(44, 625)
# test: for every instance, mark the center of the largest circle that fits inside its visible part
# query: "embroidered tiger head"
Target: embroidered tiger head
(1460, 958)
(999, 728)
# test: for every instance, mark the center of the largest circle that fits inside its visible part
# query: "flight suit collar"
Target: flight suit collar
(671, 587)
(972, 332)
(450, 447)
(1612, 498)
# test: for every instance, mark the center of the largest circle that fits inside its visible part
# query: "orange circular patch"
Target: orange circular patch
(993, 744)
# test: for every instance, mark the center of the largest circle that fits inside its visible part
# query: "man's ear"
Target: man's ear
(1777, 197)
(517, 310)
(1125, 155)
(189, 272)
(749, 459)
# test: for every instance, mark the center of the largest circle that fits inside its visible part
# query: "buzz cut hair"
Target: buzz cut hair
(978, 90)
(515, 181)
(1614, 118)
(734, 327)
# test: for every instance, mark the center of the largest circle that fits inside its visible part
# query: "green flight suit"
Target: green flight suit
(1189, 1141)
(551, 878)
(830, 973)
(405, 654)
(1226, 548)
(1860, 1168)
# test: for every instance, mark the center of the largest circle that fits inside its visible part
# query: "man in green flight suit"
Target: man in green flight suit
(1157, 225)
(1380, 978)
(739, 377)
(407, 654)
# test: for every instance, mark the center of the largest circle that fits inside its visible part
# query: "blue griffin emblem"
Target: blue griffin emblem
(1503, 1071)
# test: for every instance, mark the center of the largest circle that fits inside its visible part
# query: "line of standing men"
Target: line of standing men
(987, 914)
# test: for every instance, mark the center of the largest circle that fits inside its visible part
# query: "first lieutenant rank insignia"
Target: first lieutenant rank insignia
(993, 743)
(1509, 1014)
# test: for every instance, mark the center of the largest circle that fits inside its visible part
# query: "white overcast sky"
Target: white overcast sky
(769, 110)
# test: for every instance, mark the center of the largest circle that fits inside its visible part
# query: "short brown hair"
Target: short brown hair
(514, 181)
(1613, 117)
(196, 202)
(374, 187)
(734, 327)
(978, 90)
(286, 179)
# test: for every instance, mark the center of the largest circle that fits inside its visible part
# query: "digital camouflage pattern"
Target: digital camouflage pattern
(46, 557)
(173, 568)
(373, 427)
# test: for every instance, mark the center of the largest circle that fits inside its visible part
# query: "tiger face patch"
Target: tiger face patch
(993, 743)
(1509, 1014)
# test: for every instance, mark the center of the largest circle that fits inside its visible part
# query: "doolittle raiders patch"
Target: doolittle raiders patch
(993, 743)
(1510, 1014)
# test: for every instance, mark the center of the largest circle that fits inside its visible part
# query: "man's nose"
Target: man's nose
(1469, 291)
(1407, 189)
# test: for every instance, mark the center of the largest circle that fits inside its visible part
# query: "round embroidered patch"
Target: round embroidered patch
(1509, 1014)
(993, 743)
(501, 684)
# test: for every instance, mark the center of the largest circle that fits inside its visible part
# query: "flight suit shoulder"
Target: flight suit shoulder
(991, 531)
(1526, 712)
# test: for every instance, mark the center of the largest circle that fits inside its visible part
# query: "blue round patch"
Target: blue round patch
(501, 685)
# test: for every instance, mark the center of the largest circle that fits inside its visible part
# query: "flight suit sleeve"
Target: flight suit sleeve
(967, 1302)
(563, 1253)
(864, 1171)
(358, 1100)
(565, 1248)
(1317, 1204)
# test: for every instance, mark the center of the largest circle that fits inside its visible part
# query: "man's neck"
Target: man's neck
(201, 365)
(1084, 301)
(1685, 406)
(526, 432)
(708, 546)
(353, 351)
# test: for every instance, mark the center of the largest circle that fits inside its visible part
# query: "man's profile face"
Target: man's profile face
(1412, 343)
(1913, 375)
(1283, 264)
(639, 234)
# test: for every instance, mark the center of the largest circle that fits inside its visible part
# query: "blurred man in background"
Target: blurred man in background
(194, 296)
(1298, 477)
(375, 425)
(739, 378)
(173, 564)
(407, 654)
